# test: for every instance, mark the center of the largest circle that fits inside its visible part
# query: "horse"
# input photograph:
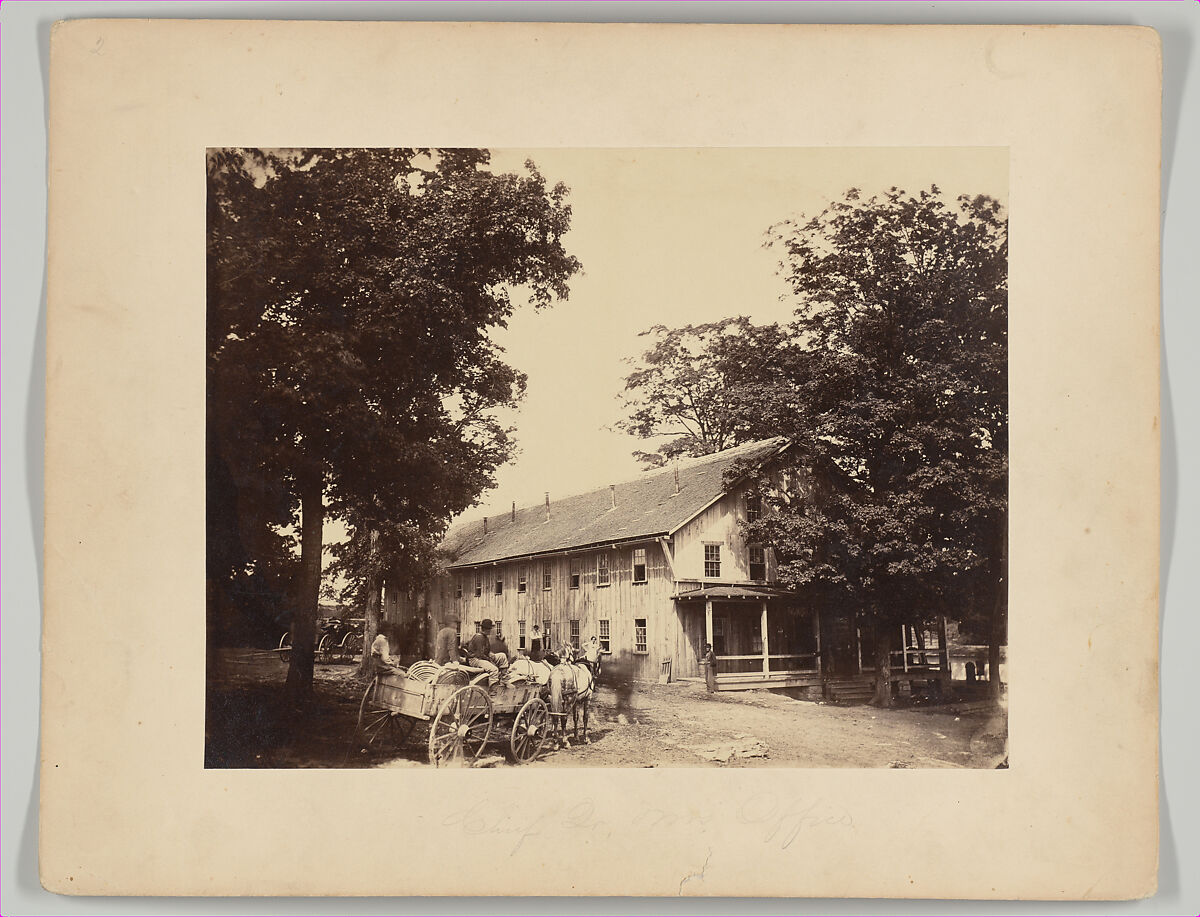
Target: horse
(571, 688)
(526, 668)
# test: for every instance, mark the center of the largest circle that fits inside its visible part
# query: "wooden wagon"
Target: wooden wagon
(463, 712)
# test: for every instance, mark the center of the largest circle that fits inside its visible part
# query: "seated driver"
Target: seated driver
(479, 651)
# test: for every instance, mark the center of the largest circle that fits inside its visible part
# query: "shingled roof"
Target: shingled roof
(646, 506)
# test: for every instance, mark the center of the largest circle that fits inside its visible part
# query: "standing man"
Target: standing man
(445, 644)
(537, 652)
(709, 661)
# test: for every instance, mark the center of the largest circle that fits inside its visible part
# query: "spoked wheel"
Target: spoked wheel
(462, 727)
(530, 731)
(324, 649)
(352, 646)
(285, 648)
(378, 726)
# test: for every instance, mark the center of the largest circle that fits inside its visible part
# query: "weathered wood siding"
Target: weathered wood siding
(672, 634)
(718, 525)
(621, 603)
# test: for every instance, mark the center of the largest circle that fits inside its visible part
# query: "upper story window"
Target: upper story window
(753, 509)
(639, 636)
(478, 584)
(522, 578)
(458, 587)
(547, 579)
(758, 563)
(574, 577)
(639, 565)
(712, 561)
(602, 578)
(499, 584)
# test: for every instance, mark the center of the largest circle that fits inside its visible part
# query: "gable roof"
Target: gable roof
(646, 506)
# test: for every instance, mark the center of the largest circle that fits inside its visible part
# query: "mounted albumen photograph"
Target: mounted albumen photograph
(607, 458)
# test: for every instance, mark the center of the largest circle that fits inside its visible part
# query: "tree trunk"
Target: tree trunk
(999, 629)
(883, 664)
(366, 668)
(299, 686)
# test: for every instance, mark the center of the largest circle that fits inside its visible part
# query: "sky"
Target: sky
(672, 237)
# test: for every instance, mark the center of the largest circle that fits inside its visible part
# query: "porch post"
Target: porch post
(943, 647)
(858, 642)
(708, 623)
(766, 647)
(904, 643)
(817, 632)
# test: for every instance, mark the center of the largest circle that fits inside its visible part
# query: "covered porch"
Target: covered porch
(760, 635)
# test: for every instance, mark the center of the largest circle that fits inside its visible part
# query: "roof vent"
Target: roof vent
(612, 492)
(547, 506)
(677, 477)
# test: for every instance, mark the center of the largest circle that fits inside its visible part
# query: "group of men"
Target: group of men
(488, 650)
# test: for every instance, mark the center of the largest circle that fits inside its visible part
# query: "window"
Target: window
(499, 629)
(522, 578)
(574, 578)
(499, 584)
(712, 561)
(458, 587)
(547, 643)
(639, 635)
(458, 631)
(546, 578)
(478, 627)
(478, 584)
(639, 565)
(718, 636)
(604, 638)
(753, 509)
(521, 634)
(601, 569)
(758, 563)
(575, 633)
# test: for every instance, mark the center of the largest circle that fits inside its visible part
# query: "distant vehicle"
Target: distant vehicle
(335, 639)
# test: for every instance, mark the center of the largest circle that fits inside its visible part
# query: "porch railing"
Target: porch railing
(783, 663)
(917, 660)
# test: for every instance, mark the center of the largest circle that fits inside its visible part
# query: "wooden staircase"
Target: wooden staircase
(850, 689)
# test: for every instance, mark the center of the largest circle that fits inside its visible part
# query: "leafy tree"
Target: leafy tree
(350, 293)
(902, 315)
(705, 386)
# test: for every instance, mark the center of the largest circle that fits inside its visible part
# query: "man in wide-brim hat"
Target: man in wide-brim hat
(479, 651)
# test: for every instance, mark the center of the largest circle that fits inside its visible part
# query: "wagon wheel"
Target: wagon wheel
(285, 647)
(530, 730)
(378, 725)
(462, 727)
(352, 645)
(324, 649)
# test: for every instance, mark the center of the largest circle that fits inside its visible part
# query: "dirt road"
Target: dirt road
(676, 725)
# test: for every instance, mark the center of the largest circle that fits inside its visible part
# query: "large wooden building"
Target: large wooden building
(654, 567)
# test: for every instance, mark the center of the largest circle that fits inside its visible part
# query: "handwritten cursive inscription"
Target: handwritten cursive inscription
(782, 820)
(483, 818)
